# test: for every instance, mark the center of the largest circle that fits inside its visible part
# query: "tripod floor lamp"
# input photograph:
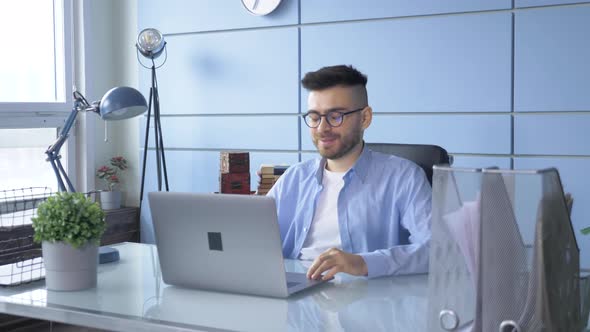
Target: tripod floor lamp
(151, 44)
(117, 104)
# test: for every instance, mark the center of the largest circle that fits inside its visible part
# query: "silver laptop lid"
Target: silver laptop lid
(219, 242)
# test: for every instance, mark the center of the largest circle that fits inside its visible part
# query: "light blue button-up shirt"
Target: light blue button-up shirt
(381, 193)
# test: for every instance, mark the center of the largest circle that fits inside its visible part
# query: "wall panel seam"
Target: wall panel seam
(456, 154)
(515, 114)
(512, 83)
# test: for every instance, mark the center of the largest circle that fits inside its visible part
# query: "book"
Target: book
(266, 181)
(273, 169)
(234, 162)
(235, 183)
(268, 176)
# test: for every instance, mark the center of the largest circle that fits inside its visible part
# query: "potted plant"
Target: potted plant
(111, 198)
(69, 227)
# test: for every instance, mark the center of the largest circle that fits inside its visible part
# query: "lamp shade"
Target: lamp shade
(122, 103)
(150, 43)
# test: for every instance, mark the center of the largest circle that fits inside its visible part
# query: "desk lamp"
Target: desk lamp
(151, 44)
(117, 104)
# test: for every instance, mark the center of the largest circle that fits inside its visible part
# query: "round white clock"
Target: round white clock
(261, 7)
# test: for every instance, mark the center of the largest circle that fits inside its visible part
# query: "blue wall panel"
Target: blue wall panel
(309, 155)
(535, 3)
(551, 59)
(228, 132)
(436, 64)
(229, 72)
(179, 16)
(455, 133)
(340, 10)
(552, 134)
(188, 171)
(573, 172)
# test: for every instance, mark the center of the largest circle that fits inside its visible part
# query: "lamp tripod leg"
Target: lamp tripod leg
(157, 131)
(145, 148)
(160, 139)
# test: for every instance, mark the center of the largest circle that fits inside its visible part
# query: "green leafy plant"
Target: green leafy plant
(110, 174)
(69, 217)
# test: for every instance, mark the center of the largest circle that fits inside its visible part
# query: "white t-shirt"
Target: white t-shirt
(324, 232)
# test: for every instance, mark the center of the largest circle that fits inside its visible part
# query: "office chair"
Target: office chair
(423, 155)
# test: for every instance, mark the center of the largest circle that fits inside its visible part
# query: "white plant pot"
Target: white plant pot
(68, 268)
(110, 200)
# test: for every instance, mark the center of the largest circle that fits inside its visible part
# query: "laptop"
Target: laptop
(222, 242)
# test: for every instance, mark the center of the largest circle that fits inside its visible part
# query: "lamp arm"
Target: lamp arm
(65, 176)
(60, 174)
(53, 163)
(53, 156)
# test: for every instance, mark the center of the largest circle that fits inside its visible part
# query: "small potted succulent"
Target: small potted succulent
(69, 227)
(111, 198)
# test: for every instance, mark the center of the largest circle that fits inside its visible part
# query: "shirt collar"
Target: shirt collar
(319, 173)
(360, 167)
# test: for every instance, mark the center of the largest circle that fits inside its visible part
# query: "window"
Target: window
(35, 89)
(33, 62)
(22, 158)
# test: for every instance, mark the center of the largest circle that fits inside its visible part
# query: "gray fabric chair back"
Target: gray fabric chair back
(423, 155)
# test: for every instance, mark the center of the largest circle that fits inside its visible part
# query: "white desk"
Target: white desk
(131, 296)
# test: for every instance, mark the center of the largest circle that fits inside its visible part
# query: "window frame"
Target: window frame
(20, 115)
(18, 109)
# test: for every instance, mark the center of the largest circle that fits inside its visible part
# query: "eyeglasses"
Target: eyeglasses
(334, 118)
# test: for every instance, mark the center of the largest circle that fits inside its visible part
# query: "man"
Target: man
(344, 211)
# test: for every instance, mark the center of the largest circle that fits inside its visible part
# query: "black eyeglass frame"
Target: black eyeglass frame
(340, 115)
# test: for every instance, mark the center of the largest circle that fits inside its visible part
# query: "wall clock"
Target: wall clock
(261, 7)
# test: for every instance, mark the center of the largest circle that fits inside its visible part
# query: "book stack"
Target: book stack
(234, 169)
(269, 174)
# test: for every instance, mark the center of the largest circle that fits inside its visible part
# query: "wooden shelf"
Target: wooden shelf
(122, 226)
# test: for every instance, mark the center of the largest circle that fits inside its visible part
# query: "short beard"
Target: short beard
(348, 143)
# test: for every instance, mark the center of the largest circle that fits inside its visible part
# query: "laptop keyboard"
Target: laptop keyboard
(291, 284)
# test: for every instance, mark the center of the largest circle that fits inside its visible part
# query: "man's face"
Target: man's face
(336, 142)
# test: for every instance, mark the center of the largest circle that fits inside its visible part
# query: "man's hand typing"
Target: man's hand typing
(334, 261)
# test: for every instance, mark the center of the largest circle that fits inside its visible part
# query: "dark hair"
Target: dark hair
(328, 77)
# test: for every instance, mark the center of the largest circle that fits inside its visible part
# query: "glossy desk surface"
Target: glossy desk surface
(131, 296)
